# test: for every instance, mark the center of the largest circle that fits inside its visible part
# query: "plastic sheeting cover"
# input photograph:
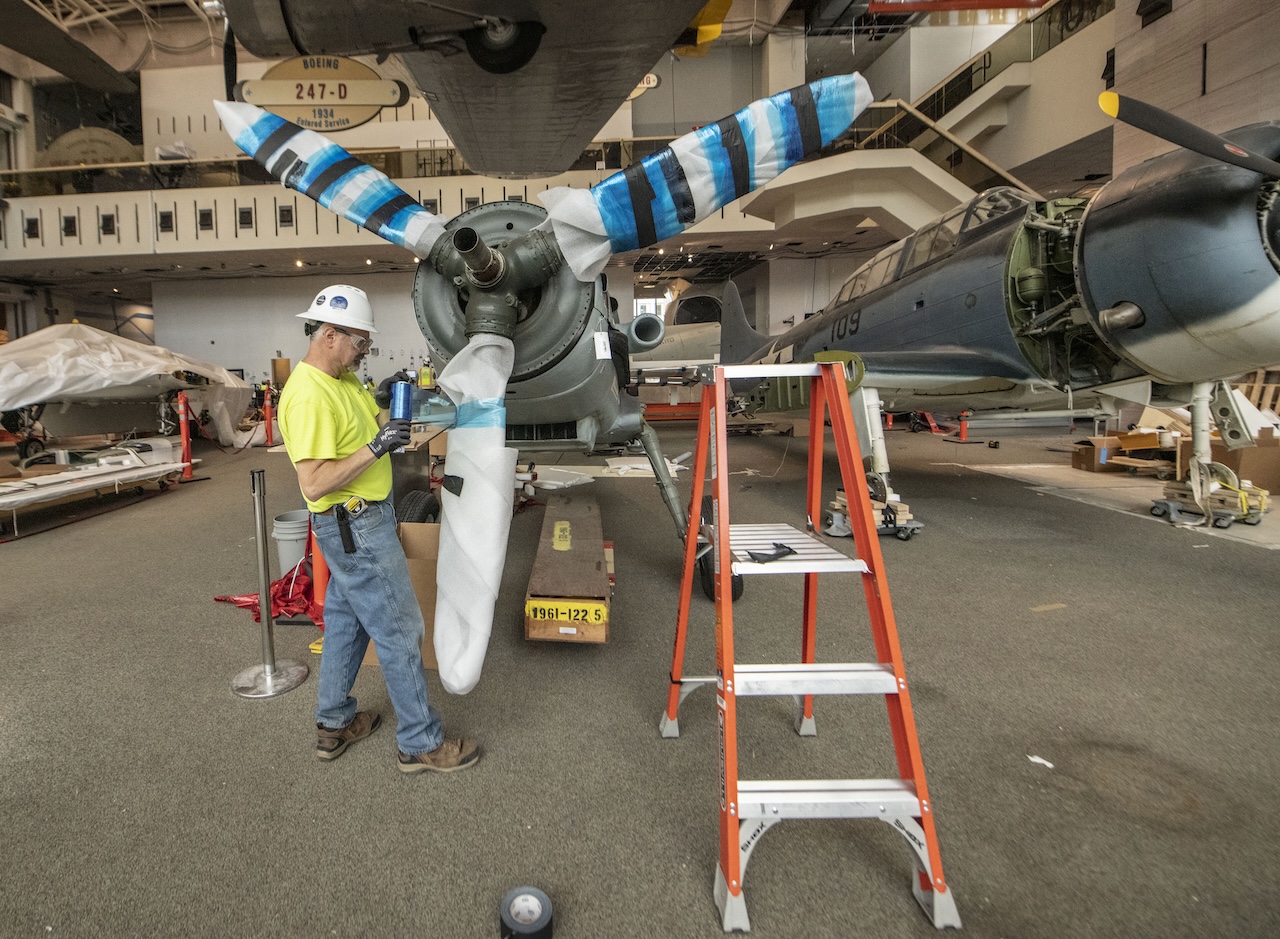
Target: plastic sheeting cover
(476, 519)
(77, 363)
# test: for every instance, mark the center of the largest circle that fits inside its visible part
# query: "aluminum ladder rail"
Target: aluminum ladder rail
(749, 808)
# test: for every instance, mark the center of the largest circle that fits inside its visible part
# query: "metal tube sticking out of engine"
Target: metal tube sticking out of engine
(485, 266)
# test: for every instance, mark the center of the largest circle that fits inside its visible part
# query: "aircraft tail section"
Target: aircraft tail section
(738, 340)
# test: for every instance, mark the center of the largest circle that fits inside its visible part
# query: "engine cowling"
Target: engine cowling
(1177, 262)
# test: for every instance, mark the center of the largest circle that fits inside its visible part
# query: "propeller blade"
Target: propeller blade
(1162, 124)
(701, 172)
(317, 167)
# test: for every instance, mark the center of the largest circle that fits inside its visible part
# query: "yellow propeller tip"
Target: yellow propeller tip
(1109, 101)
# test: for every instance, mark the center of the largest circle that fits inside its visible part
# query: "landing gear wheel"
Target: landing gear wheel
(29, 447)
(707, 565)
(501, 47)
(525, 912)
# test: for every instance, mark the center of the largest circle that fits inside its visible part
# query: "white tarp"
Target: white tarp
(77, 363)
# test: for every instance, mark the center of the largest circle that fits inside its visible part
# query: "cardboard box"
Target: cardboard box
(1139, 440)
(568, 595)
(1260, 465)
(1092, 455)
(421, 543)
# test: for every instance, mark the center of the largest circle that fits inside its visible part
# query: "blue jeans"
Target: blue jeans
(370, 597)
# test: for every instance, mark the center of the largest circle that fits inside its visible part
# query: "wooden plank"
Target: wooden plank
(570, 560)
(568, 595)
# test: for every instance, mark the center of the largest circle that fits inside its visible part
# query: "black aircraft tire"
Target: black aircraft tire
(418, 506)
(525, 914)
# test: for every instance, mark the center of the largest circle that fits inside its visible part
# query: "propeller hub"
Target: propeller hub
(485, 267)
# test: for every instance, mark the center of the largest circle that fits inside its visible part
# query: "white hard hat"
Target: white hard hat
(341, 305)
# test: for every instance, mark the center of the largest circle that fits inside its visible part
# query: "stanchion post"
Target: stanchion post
(272, 677)
(184, 428)
(964, 426)
(888, 420)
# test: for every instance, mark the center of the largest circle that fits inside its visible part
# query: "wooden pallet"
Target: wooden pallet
(1262, 388)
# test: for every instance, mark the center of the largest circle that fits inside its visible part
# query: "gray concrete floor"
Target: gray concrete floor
(141, 798)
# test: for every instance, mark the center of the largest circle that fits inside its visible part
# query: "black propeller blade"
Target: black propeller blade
(1162, 124)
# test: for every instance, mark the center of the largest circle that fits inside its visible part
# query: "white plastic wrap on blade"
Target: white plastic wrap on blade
(700, 173)
(476, 521)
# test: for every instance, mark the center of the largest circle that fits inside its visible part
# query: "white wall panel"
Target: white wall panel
(246, 322)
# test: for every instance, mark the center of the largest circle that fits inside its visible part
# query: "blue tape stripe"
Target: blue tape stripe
(786, 132)
(397, 228)
(489, 412)
(253, 136)
(721, 171)
(321, 161)
(665, 223)
(376, 194)
(835, 98)
(614, 201)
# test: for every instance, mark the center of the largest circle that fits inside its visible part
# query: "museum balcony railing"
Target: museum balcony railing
(414, 163)
(1026, 42)
(915, 126)
(890, 125)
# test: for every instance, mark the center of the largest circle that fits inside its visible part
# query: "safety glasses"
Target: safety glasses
(362, 345)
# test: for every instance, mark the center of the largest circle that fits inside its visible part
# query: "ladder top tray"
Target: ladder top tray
(811, 555)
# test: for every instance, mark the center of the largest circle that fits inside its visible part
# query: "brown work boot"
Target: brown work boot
(331, 744)
(452, 755)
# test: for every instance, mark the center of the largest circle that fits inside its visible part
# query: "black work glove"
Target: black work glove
(383, 395)
(392, 434)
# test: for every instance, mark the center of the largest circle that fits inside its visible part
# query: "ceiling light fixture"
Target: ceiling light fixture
(368, 260)
(298, 263)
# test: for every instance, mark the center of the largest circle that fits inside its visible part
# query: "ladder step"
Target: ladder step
(811, 555)
(819, 678)
(765, 370)
(827, 798)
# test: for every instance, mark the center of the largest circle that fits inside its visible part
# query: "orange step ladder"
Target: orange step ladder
(749, 808)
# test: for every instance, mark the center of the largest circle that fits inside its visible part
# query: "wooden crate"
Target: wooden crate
(568, 595)
(1262, 388)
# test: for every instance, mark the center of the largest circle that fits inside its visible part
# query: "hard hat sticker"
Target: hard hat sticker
(320, 300)
(338, 303)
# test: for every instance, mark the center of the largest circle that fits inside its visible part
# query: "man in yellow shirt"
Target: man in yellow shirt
(330, 427)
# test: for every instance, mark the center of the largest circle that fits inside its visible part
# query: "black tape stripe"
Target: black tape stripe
(332, 175)
(387, 210)
(678, 186)
(642, 194)
(735, 146)
(281, 165)
(275, 140)
(807, 117)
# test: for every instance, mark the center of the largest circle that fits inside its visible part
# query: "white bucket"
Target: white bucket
(290, 533)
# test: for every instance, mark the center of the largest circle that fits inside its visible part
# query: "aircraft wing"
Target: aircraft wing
(35, 36)
(536, 121)
(930, 374)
